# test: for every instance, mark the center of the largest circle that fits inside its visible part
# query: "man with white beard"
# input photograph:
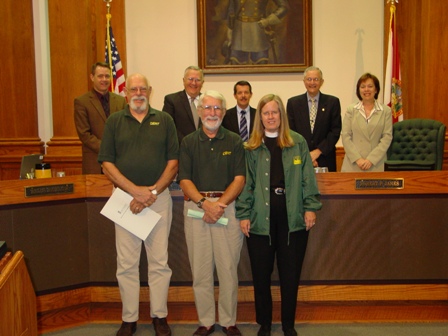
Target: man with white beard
(212, 173)
(139, 154)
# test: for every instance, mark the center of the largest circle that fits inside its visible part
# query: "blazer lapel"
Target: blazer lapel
(97, 104)
(187, 107)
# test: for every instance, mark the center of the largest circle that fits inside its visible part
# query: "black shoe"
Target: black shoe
(127, 329)
(265, 330)
(161, 327)
(231, 331)
(203, 331)
(290, 332)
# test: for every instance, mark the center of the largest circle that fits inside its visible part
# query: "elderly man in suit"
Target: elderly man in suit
(317, 117)
(240, 119)
(91, 112)
(182, 105)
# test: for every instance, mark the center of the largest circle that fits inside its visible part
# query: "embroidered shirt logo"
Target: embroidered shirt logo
(154, 123)
(297, 160)
(226, 153)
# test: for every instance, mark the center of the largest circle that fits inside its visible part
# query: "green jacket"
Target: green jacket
(300, 184)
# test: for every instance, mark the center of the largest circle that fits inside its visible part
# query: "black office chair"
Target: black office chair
(417, 144)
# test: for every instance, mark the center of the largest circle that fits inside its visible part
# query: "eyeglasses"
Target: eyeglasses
(136, 89)
(196, 80)
(208, 108)
(309, 79)
(269, 113)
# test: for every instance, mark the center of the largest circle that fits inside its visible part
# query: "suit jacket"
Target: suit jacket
(89, 121)
(327, 127)
(178, 106)
(368, 140)
(230, 120)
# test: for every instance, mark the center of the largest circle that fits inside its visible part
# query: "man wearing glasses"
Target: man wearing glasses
(212, 173)
(139, 154)
(182, 105)
(317, 117)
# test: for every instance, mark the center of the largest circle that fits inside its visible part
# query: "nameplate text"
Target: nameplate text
(49, 190)
(379, 183)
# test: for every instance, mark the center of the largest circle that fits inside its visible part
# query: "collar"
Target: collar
(204, 137)
(308, 98)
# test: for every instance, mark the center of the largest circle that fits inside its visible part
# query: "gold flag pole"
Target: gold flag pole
(109, 51)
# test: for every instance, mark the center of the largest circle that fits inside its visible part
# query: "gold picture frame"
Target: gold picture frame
(282, 26)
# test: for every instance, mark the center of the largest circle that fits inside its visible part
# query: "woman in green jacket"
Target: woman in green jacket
(277, 208)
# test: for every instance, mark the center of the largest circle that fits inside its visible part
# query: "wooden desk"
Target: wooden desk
(367, 244)
(17, 298)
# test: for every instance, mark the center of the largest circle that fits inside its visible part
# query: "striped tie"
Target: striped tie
(313, 114)
(243, 126)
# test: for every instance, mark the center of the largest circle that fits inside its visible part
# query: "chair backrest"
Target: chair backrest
(417, 145)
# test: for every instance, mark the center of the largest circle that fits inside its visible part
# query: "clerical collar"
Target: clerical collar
(271, 134)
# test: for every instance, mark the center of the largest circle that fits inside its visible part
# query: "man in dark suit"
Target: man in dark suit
(91, 112)
(242, 91)
(317, 117)
(182, 105)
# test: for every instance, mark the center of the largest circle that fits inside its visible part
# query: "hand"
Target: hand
(136, 207)
(212, 211)
(364, 164)
(146, 195)
(315, 155)
(263, 23)
(245, 227)
(310, 219)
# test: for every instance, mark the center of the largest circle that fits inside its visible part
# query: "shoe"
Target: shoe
(231, 331)
(127, 329)
(161, 327)
(203, 331)
(290, 332)
(265, 330)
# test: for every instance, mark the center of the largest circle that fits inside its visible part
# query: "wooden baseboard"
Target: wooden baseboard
(316, 304)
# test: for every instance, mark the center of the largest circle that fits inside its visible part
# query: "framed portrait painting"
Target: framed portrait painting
(253, 36)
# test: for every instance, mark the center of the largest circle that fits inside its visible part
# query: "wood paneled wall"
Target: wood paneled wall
(77, 38)
(77, 31)
(18, 104)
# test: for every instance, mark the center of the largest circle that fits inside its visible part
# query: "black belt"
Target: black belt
(278, 190)
(209, 194)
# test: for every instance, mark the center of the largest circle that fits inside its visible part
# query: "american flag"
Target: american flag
(118, 82)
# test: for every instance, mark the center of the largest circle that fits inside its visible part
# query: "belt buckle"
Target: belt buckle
(279, 191)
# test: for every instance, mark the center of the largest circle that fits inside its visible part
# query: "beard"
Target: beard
(140, 108)
(212, 123)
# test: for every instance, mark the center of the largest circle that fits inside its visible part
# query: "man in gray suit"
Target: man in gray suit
(321, 129)
(233, 120)
(91, 112)
(182, 105)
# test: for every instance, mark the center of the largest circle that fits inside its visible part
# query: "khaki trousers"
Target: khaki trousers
(159, 274)
(211, 245)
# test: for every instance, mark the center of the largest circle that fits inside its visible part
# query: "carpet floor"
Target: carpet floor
(358, 329)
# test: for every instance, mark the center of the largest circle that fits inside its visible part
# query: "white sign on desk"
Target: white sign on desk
(117, 210)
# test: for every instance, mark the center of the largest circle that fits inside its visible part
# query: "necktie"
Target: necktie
(194, 112)
(243, 126)
(313, 113)
(105, 103)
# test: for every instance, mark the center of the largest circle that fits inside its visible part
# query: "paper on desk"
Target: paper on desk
(200, 214)
(117, 210)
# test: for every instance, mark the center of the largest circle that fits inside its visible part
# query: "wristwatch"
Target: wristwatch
(200, 202)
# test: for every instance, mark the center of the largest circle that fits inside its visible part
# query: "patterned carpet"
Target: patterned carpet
(359, 329)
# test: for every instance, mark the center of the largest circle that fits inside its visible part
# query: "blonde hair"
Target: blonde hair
(256, 138)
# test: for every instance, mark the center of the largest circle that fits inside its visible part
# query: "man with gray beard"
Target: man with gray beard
(139, 154)
(212, 173)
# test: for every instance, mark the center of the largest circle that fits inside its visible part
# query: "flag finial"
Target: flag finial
(109, 1)
(392, 2)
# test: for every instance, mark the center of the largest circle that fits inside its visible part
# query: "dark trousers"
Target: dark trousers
(290, 252)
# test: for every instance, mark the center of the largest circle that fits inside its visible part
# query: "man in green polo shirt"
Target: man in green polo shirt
(212, 173)
(139, 154)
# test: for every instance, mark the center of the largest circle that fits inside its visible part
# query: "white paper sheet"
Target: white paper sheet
(117, 210)
(199, 214)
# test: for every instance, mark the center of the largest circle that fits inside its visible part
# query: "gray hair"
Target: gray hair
(313, 68)
(213, 94)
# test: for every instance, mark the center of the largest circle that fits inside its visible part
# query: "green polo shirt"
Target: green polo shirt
(140, 151)
(211, 164)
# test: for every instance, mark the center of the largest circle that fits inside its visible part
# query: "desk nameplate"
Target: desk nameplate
(395, 183)
(49, 190)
